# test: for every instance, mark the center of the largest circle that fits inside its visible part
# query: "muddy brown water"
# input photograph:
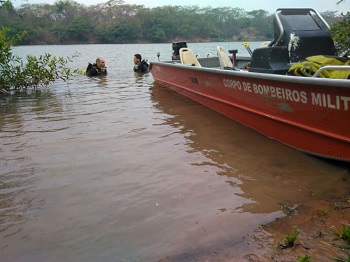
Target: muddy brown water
(120, 169)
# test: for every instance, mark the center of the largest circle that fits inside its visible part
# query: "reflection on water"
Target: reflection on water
(119, 169)
(267, 171)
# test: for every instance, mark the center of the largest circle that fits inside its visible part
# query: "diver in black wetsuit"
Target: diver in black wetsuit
(99, 68)
(141, 66)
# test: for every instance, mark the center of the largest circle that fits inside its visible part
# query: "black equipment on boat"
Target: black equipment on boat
(176, 50)
(298, 33)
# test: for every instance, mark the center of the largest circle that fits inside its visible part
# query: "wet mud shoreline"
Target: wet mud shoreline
(319, 222)
(319, 225)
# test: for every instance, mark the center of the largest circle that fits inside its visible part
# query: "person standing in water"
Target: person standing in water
(99, 68)
(141, 66)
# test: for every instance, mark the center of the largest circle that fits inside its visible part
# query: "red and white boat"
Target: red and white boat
(309, 113)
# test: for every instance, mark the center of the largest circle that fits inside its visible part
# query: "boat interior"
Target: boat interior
(299, 33)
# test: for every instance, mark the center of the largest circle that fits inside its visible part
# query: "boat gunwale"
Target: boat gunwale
(295, 80)
(270, 116)
(272, 77)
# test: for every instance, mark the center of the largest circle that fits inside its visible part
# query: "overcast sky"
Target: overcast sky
(247, 5)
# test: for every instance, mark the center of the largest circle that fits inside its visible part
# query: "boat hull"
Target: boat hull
(309, 114)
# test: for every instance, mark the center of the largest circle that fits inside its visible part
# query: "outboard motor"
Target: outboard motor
(176, 50)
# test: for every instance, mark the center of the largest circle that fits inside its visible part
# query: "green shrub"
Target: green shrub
(38, 71)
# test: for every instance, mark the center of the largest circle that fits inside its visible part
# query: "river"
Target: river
(119, 169)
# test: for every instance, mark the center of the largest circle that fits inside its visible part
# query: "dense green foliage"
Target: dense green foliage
(67, 21)
(341, 34)
(37, 71)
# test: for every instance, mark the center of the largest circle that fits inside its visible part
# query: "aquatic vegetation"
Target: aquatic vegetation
(304, 259)
(289, 240)
(37, 71)
(323, 212)
(345, 234)
(319, 233)
(342, 259)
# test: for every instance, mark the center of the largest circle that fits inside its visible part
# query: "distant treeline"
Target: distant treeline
(68, 22)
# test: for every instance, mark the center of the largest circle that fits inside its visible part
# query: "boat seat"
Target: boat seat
(224, 60)
(188, 57)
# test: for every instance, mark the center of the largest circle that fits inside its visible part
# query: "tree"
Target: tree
(157, 33)
(36, 72)
(114, 21)
(341, 35)
(6, 4)
(79, 28)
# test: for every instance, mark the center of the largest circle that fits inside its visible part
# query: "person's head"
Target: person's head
(137, 59)
(100, 62)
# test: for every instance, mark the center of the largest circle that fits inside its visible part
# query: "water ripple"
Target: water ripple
(118, 168)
